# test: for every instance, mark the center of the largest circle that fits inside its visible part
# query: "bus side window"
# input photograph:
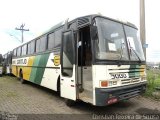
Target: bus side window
(19, 51)
(24, 49)
(32, 48)
(51, 41)
(37, 45)
(29, 48)
(15, 52)
(43, 42)
(58, 37)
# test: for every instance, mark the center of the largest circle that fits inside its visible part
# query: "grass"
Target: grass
(153, 78)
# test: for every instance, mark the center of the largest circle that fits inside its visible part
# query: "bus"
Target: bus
(95, 59)
(1, 68)
(7, 62)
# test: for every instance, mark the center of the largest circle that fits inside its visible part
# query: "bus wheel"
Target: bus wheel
(21, 77)
(69, 102)
(22, 80)
(58, 87)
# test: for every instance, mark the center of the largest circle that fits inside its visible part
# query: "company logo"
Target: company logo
(22, 61)
(119, 75)
(56, 60)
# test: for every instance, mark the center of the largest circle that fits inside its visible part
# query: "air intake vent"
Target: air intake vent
(82, 21)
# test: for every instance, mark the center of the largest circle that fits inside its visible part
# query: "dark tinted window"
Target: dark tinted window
(43, 44)
(32, 47)
(14, 52)
(29, 48)
(38, 45)
(19, 51)
(51, 41)
(68, 54)
(58, 37)
(24, 49)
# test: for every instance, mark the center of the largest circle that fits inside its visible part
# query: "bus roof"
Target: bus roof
(116, 20)
(87, 18)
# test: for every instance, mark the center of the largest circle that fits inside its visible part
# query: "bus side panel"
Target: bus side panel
(27, 70)
(38, 68)
(51, 72)
(14, 71)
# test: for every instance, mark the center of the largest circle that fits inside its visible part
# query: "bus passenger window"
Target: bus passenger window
(32, 47)
(43, 44)
(24, 49)
(51, 41)
(38, 45)
(58, 37)
(29, 48)
(19, 51)
(15, 52)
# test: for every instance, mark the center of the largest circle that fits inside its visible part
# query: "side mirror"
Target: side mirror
(94, 32)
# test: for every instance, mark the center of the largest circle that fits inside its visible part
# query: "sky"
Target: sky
(40, 15)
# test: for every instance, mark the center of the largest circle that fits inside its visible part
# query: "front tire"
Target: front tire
(22, 80)
(21, 77)
(69, 102)
(58, 87)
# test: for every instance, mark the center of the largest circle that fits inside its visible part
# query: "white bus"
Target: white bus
(7, 62)
(93, 58)
(1, 68)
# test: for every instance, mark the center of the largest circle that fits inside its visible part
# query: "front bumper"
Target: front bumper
(103, 95)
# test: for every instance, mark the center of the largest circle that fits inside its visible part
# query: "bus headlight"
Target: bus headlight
(112, 83)
(104, 83)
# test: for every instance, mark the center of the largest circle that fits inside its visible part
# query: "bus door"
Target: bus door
(68, 67)
(85, 82)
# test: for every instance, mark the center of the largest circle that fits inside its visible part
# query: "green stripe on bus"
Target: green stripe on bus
(37, 73)
(133, 72)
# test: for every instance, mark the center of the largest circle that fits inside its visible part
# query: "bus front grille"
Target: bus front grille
(127, 75)
(130, 81)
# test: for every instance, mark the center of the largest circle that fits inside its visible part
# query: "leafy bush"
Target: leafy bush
(153, 78)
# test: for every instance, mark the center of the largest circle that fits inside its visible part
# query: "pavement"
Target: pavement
(28, 100)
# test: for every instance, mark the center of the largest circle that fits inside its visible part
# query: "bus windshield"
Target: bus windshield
(112, 44)
(134, 44)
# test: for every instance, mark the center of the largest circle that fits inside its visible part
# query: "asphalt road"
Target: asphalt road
(33, 100)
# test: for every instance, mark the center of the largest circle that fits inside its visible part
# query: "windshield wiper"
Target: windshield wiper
(135, 54)
(121, 54)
